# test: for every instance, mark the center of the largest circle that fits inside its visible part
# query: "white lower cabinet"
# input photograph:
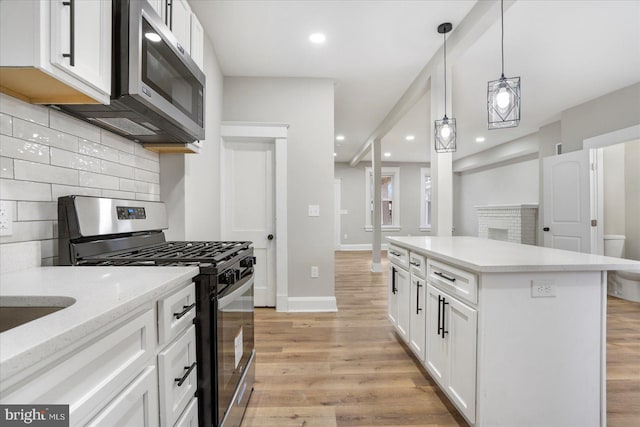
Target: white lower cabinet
(417, 312)
(189, 417)
(451, 348)
(399, 294)
(135, 406)
(178, 376)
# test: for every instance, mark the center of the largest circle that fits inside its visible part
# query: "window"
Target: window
(390, 196)
(425, 198)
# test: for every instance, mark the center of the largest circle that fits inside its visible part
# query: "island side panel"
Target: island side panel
(540, 359)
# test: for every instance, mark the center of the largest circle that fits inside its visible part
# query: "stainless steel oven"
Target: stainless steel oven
(235, 348)
(157, 91)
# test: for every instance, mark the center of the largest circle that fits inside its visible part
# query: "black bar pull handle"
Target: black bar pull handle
(444, 276)
(440, 328)
(444, 330)
(181, 381)
(417, 264)
(393, 280)
(187, 308)
(418, 286)
(72, 32)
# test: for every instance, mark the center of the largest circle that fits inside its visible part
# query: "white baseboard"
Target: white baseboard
(311, 304)
(362, 247)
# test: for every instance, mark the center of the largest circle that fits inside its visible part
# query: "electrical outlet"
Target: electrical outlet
(314, 210)
(543, 288)
(6, 218)
(314, 272)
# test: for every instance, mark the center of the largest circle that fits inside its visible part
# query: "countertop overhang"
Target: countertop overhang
(493, 256)
(102, 295)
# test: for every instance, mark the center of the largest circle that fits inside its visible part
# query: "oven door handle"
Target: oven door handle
(227, 299)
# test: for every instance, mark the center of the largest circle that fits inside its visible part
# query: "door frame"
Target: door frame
(276, 134)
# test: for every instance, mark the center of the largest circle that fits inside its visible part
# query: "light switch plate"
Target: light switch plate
(314, 210)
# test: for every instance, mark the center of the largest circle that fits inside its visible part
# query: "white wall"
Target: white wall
(353, 200)
(632, 189)
(614, 189)
(511, 184)
(45, 154)
(307, 105)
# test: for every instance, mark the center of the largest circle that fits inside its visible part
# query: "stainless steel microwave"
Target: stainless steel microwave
(157, 90)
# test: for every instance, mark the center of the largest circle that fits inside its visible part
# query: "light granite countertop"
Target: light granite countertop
(102, 295)
(487, 256)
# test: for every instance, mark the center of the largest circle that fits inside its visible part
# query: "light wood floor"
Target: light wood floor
(348, 368)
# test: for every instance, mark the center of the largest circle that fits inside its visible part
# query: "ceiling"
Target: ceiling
(566, 53)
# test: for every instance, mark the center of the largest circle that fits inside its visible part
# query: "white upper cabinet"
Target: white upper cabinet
(81, 40)
(158, 6)
(56, 52)
(180, 23)
(197, 41)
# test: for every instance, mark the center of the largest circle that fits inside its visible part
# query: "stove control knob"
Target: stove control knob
(228, 277)
(247, 262)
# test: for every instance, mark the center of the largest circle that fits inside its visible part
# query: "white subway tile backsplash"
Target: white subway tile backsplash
(72, 160)
(140, 151)
(146, 176)
(30, 171)
(127, 184)
(127, 159)
(24, 190)
(116, 141)
(118, 194)
(150, 197)
(45, 154)
(5, 124)
(66, 190)
(116, 169)
(16, 108)
(29, 230)
(6, 168)
(37, 211)
(66, 123)
(148, 165)
(26, 150)
(94, 149)
(42, 135)
(94, 180)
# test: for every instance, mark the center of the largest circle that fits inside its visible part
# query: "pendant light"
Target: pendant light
(445, 129)
(503, 95)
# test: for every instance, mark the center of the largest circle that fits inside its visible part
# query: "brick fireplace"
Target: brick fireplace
(510, 223)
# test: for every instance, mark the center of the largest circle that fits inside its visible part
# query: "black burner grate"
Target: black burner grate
(171, 253)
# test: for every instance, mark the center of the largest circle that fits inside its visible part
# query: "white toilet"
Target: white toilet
(622, 284)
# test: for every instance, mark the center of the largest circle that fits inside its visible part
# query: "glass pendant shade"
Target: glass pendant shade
(503, 102)
(445, 135)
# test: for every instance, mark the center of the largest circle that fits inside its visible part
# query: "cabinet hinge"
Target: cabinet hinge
(594, 222)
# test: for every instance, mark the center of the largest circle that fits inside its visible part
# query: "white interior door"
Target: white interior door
(248, 209)
(567, 201)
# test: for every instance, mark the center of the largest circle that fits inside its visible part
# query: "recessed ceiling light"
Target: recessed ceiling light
(340, 138)
(317, 38)
(387, 154)
(410, 137)
(480, 139)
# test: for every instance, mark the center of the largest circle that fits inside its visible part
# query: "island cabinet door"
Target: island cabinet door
(403, 283)
(417, 312)
(460, 325)
(437, 345)
(392, 300)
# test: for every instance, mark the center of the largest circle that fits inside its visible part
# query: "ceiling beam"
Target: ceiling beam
(479, 19)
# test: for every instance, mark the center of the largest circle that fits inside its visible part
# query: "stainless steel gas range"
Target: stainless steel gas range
(96, 231)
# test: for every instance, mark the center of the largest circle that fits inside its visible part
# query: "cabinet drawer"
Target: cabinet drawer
(178, 376)
(189, 417)
(398, 256)
(418, 265)
(137, 405)
(176, 313)
(453, 280)
(94, 375)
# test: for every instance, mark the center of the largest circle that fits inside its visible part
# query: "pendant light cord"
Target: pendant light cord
(502, 38)
(445, 73)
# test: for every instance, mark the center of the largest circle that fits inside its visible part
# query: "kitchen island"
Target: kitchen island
(513, 334)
